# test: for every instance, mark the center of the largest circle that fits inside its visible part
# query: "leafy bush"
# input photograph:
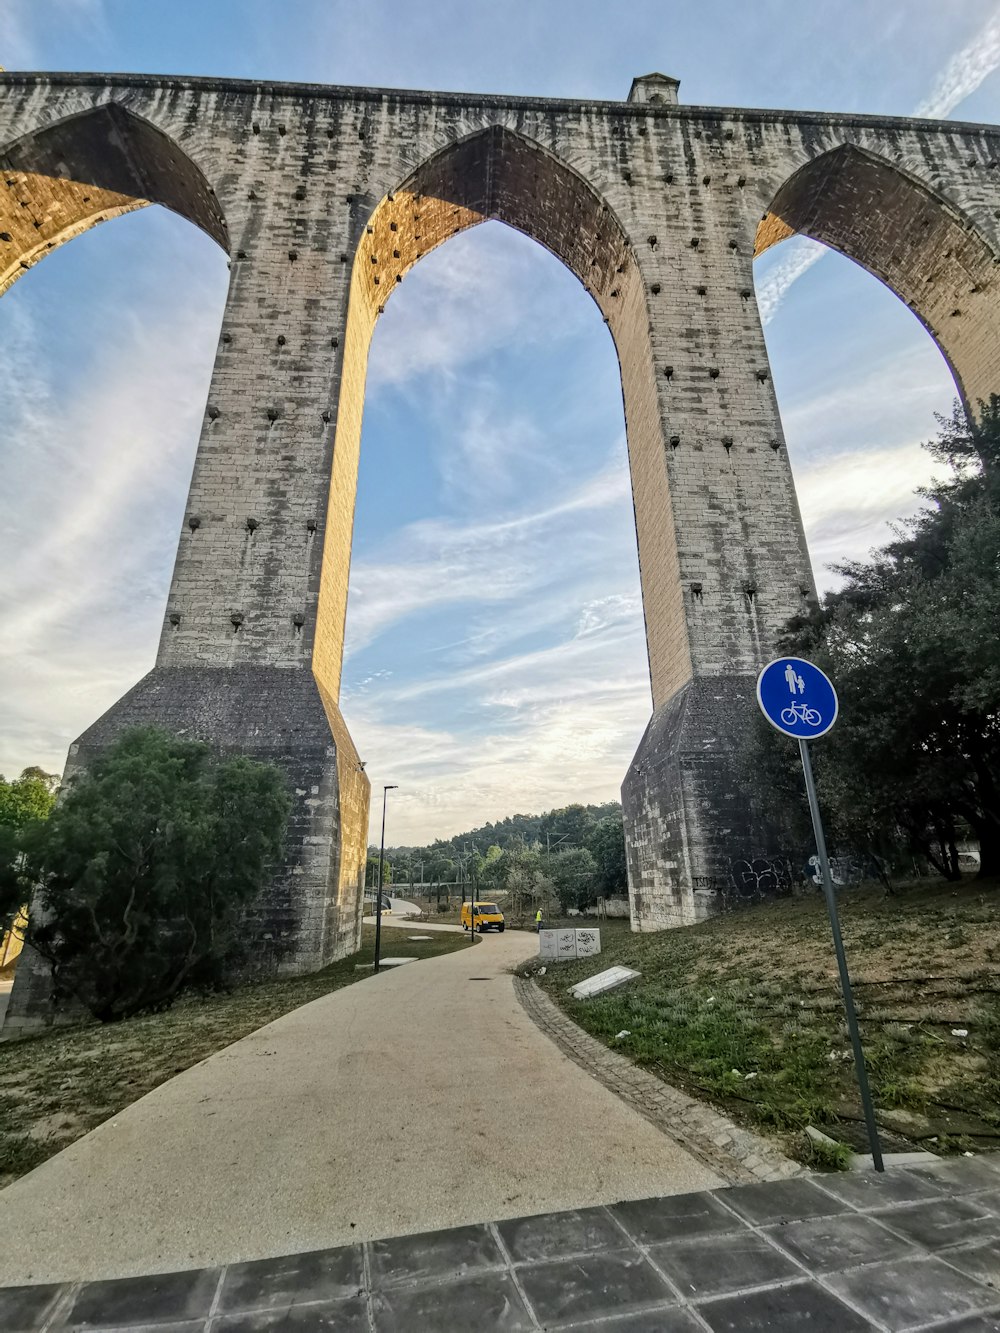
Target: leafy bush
(146, 867)
(23, 801)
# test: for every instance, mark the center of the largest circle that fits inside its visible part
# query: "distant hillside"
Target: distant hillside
(566, 827)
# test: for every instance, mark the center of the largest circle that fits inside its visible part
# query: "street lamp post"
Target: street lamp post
(381, 861)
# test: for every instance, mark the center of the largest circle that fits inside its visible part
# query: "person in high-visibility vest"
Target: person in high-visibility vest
(538, 919)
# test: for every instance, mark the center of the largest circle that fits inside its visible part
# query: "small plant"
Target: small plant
(827, 1154)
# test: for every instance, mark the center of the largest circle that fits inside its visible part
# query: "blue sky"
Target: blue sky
(496, 658)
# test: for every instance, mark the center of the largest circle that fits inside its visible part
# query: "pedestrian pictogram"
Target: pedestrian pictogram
(797, 698)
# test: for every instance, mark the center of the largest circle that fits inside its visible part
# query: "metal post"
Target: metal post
(381, 860)
(838, 944)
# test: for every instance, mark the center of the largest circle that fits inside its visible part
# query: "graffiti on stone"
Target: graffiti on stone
(852, 868)
(712, 883)
(761, 875)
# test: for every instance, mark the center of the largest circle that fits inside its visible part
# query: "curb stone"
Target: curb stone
(738, 1155)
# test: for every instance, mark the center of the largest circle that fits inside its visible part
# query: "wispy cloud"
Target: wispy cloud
(556, 726)
(100, 470)
(963, 74)
(800, 254)
(430, 332)
(856, 456)
(451, 563)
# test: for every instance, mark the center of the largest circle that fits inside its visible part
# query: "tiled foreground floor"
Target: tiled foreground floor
(917, 1248)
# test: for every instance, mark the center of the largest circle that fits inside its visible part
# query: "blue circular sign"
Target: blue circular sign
(797, 698)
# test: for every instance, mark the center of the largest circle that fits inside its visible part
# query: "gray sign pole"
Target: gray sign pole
(838, 944)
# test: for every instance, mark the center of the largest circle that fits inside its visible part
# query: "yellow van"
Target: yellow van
(482, 916)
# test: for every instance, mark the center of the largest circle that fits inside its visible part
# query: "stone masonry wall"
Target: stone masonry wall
(324, 198)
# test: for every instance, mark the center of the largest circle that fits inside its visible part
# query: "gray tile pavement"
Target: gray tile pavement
(918, 1249)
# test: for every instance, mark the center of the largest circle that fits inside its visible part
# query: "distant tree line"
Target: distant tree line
(571, 855)
(911, 638)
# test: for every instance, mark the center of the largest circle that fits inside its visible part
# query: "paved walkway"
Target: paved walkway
(915, 1249)
(330, 1126)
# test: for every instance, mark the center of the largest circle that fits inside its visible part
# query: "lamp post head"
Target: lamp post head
(391, 786)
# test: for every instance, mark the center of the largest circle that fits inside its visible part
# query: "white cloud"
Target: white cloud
(964, 72)
(849, 499)
(561, 737)
(99, 470)
(466, 299)
(798, 257)
(446, 562)
(856, 456)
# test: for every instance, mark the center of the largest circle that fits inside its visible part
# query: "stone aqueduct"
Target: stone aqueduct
(324, 198)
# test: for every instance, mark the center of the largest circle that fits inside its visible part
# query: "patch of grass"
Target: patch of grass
(822, 1156)
(745, 1011)
(62, 1084)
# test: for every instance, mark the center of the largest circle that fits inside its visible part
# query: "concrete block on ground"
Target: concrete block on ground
(610, 979)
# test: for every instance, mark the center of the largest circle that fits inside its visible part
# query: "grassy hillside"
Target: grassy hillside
(745, 1011)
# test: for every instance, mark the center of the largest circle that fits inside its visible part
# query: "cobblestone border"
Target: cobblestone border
(738, 1155)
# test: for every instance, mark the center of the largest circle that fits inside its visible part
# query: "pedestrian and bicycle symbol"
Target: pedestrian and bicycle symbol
(797, 698)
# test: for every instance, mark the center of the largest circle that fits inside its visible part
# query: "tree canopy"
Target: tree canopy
(525, 850)
(146, 867)
(911, 639)
(23, 801)
(29, 797)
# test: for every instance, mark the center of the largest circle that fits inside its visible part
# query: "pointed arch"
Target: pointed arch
(500, 174)
(916, 242)
(59, 181)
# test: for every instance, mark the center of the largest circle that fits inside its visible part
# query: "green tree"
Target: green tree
(29, 797)
(912, 640)
(146, 868)
(371, 873)
(606, 844)
(23, 802)
(526, 882)
(574, 877)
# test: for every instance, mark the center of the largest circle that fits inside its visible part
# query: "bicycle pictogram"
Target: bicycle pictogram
(800, 712)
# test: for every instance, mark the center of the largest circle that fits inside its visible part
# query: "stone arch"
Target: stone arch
(501, 175)
(59, 181)
(919, 244)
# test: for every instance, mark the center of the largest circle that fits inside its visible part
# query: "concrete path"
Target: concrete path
(400, 917)
(337, 1124)
(415, 927)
